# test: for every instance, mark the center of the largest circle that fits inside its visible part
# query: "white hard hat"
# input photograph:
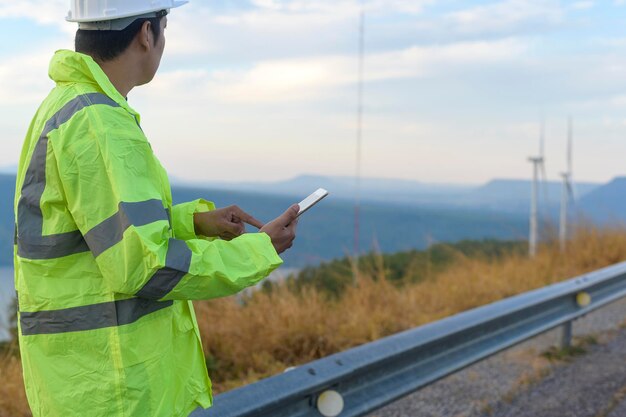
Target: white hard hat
(96, 11)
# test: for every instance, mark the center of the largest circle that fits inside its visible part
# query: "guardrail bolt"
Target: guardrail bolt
(583, 299)
(330, 403)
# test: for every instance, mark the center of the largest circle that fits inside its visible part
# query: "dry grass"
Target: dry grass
(271, 332)
(12, 395)
(263, 334)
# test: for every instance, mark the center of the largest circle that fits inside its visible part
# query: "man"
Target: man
(105, 264)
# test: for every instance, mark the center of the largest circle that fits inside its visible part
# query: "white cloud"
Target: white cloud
(342, 7)
(583, 5)
(188, 33)
(308, 78)
(302, 19)
(618, 101)
(302, 79)
(609, 42)
(282, 74)
(604, 103)
(506, 15)
(46, 12)
(267, 4)
(24, 79)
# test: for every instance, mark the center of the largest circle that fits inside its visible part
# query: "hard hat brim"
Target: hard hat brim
(176, 3)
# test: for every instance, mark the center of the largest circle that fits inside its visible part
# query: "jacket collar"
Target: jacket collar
(73, 67)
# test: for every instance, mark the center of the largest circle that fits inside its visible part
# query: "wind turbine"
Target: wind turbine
(567, 191)
(539, 168)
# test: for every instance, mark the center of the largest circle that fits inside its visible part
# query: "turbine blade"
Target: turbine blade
(542, 138)
(570, 134)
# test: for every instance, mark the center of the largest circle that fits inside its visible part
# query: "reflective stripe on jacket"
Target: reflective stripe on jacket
(105, 265)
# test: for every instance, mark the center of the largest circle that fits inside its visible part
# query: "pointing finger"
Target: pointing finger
(246, 218)
(253, 222)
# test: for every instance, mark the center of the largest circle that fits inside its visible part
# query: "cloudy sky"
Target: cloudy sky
(455, 91)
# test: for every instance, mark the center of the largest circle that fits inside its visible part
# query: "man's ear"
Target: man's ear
(145, 36)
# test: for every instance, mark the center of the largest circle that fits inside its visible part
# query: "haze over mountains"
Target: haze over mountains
(506, 195)
(395, 215)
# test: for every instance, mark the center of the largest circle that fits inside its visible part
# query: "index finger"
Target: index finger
(246, 218)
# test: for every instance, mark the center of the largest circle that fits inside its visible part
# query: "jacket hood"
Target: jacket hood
(73, 67)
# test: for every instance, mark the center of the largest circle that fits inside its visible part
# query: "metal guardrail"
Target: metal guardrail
(375, 374)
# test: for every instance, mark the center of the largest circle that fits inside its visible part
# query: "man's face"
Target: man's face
(156, 52)
(160, 44)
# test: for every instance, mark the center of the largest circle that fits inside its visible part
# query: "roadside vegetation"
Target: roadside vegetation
(342, 304)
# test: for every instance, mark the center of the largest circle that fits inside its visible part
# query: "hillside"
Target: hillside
(514, 195)
(326, 232)
(605, 204)
(496, 210)
(373, 189)
(507, 195)
(7, 186)
(332, 278)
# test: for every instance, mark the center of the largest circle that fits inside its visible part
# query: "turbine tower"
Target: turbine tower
(537, 161)
(567, 191)
(539, 168)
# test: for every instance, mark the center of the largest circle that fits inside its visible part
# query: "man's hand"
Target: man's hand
(282, 230)
(226, 223)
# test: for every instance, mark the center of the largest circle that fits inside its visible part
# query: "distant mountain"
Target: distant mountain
(326, 231)
(514, 195)
(372, 189)
(605, 204)
(506, 195)
(7, 186)
(400, 216)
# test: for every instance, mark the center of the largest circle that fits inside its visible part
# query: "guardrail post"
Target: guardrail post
(566, 335)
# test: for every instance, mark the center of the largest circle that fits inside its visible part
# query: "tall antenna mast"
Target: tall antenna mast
(359, 133)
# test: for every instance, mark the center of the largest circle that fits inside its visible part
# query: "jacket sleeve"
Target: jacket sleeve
(182, 217)
(115, 194)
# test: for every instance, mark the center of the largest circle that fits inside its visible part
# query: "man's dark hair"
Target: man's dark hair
(106, 45)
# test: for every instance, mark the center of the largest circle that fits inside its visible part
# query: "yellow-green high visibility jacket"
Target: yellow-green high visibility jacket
(105, 266)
